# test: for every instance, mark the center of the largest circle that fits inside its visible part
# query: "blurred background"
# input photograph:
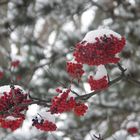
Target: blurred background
(42, 34)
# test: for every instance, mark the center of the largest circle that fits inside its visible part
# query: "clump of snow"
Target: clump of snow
(91, 36)
(43, 114)
(10, 118)
(101, 72)
(132, 124)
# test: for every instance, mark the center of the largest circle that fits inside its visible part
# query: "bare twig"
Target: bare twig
(39, 100)
(98, 137)
(132, 80)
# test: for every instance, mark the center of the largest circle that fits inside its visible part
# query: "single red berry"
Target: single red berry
(15, 63)
(1, 74)
(58, 90)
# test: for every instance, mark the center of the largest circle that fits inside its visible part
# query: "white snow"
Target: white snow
(87, 18)
(6, 88)
(11, 118)
(90, 36)
(132, 124)
(46, 115)
(101, 72)
(119, 135)
(133, 137)
(87, 87)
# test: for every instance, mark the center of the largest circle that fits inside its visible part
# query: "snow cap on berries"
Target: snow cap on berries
(99, 80)
(91, 36)
(132, 127)
(101, 72)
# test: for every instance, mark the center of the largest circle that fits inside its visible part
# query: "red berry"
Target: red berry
(1, 74)
(15, 63)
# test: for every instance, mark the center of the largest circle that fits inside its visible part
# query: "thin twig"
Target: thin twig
(39, 100)
(132, 80)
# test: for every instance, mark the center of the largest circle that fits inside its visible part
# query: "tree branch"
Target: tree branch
(87, 96)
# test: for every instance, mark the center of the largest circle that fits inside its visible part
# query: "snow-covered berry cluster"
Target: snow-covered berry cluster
(102, 51)
(132, 127)
(98, 48)
(11, 122)
(44, 125)
(11, 102)
(98, 84)
(12, 107)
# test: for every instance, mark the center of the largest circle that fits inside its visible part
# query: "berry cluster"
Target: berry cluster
(64, 103)
(61, 103)
(80, 109)
(75, 69)
(132, 130)
(97, 48)
(11, 101)
(98, 84)
(132, 127)
(12, 124)
(44, 125)
(15, 63)
(102, 51)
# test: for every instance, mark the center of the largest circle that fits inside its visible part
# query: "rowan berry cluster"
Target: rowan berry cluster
(98, 84)
(96, 49)
(64, 103)
(103, 51)
(75, 69)
(132, 130)
(12, 104)
(11, 124)
(44, 125)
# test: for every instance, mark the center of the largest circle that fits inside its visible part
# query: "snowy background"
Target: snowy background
(42, 34)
